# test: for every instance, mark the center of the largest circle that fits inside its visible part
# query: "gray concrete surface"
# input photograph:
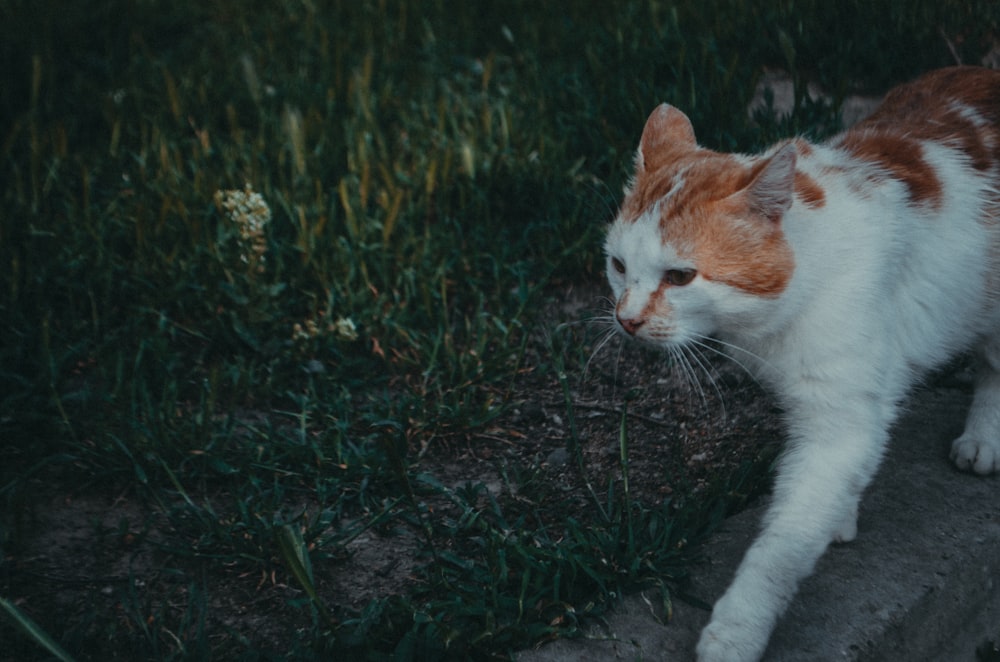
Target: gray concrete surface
(920, 582)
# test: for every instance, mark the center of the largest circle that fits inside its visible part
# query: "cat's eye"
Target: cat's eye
(679, 277)
(618, 265)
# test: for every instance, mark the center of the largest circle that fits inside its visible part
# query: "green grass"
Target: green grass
(434, 172)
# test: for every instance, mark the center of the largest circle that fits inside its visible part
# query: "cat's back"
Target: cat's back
(945, 121)
(941, 97)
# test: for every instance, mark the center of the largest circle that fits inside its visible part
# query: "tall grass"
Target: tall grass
(428, 173)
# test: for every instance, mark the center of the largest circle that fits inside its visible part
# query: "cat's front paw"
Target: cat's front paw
(728, 640)
(978, 455)
(848, 528)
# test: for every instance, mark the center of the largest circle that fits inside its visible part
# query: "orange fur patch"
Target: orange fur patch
(727, 247)
(941, 107)
(702, 175)
(728, 243)
(808, 191)
(656, 307)
(899, 157)
(803, 148)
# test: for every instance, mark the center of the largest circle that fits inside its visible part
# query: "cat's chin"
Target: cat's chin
(662, 341)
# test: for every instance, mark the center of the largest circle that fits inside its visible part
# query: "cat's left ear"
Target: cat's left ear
(771, 192)
(666, 129)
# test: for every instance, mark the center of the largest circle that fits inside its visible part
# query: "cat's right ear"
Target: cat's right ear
(771, 192)
(667, 129)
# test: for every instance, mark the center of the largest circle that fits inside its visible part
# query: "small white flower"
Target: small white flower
(345, 329)
(250, 213)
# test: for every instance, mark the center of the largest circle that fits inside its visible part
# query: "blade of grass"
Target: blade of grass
(33, 631)
(296, 556)
(623, 460)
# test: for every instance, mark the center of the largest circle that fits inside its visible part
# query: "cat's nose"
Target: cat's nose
(631, 326)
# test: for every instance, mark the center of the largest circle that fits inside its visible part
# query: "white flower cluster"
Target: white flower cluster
(343, 329)
(250, 213)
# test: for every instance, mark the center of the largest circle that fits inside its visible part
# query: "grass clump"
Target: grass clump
(258, 263)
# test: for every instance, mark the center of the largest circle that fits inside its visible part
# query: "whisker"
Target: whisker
(603, 318)
(709, 340)
(706, 345)
(605, 323)
(706, 366)
(608, 336)
(618, 362)
(680, 359)
(605, 196)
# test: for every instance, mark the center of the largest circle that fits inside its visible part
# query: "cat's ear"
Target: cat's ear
(666, 129)
(772, 190)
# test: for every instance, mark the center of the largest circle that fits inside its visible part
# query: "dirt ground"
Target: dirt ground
(88, 552)
(681, 437)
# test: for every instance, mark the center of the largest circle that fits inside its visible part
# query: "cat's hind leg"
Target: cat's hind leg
(978, 449)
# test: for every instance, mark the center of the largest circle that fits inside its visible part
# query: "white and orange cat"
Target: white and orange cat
(838, 273)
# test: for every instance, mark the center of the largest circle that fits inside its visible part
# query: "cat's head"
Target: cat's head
(698, 244)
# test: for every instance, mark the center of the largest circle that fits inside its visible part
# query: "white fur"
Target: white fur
(882, 291)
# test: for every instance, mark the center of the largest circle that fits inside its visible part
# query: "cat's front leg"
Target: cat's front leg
(816, 493)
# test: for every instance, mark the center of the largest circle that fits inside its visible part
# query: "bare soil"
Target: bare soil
(86, 553)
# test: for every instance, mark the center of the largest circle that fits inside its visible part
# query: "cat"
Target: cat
(838, 273)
